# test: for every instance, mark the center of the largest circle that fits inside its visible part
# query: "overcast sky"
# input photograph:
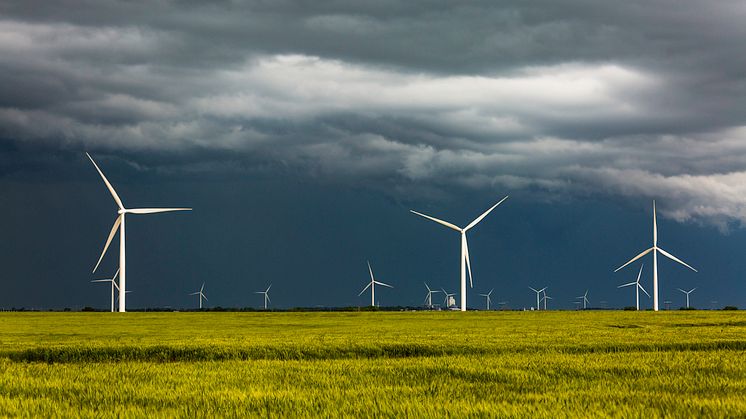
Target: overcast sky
(303, 133)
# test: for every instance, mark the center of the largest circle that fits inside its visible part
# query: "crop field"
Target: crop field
(507, 364)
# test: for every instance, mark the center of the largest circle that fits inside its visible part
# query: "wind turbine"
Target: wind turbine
(446, 301)
(488, 298)
(638, 287)
(113, 285)
(266, 295)
(465, 263)
(545, 298)
(687, 295)
(537, 295)
(201, 295)
(119, 223)
(584, 297)
(655, 249)
(429, 297)
(372, 285)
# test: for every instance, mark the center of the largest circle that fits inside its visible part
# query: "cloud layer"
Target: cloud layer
(638, 100)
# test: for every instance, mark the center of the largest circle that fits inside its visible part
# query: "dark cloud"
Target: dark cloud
(556, 98)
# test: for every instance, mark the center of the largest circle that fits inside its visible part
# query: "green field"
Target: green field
(507, 364)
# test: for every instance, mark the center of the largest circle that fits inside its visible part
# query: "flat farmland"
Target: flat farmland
(507, 364)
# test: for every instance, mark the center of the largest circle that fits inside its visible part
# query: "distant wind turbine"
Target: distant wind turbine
(538, 292)
(465, 262)
(429, 297)
(488, 298)
(638, 287)
(113, 285)
(266, 295)
(119, 223)
(201, 295)
(372, 285)
(584, 298)
(687, 295)
(545, 298)
(655, 249)
(448, 296)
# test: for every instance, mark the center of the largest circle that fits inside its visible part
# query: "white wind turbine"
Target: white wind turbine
(655, 249)
(538, 292)
(448, 295)
(638, 287)
(119, 223)
(113, 285)
(687, 295)
(372, 285)
(545, 298)
(465, 263)
(488, 298)
(584, 297)
(201, 295)
(266, 295)
(429, 297)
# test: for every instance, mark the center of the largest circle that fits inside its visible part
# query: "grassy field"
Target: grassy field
(507, 364)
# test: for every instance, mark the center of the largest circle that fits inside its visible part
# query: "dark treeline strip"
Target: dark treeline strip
(79, 354)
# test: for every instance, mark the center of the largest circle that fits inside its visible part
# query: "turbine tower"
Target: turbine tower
(538, 292)
(488, 298)
(465, 263)
(584, 297)
(372, 285)
(429, 297)
(687, 295)
(201, 295)
(638, 287)
(113, 285)
(655, 249)
(266, 295)
(119, 223)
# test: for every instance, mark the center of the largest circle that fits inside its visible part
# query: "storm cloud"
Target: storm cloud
(555, 99)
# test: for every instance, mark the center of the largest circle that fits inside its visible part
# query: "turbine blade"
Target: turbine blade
(468, 262)
(270, 286)
(115, 274)
(381, 283)
(643, 290)
(674, 258)
(692, 290)
(101, 280)
(640, 273)
(202, 288)
(634, 259)
(627, 285)
(108, 240)
(543, 289)
(364, 289)
(205, 297)
(371, 272)
(108, 185)
(194, 293)
(268, 299)
(445, 223)
(655, 227)
(534, 290)
(154, 210)
(478, 219)
(428, 288)
(681, 290)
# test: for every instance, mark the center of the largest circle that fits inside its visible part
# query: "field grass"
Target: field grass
(507, 364)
